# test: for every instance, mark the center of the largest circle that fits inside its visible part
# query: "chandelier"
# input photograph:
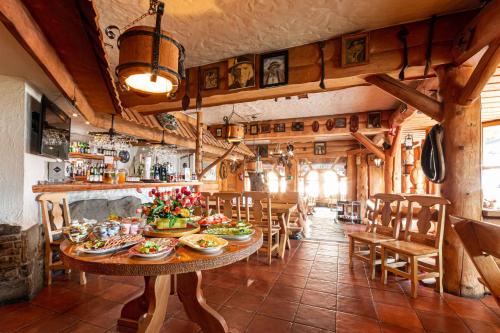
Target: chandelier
(150, 61)
(110, 139)
(162, 151)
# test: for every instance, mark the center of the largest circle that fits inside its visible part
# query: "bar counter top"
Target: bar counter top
(83, 186)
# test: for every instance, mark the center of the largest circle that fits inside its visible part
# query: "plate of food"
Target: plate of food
(204, 243)
(214, 219)
(154, 248)
(110, 245)
(240, 231)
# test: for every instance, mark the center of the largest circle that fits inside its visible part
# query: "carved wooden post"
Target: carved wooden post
(362, 183)
(198, 155)
(396, 175)
(462, 185)
(351, 177)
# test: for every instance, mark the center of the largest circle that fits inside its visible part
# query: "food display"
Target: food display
(154, 248)
(104, 230)
(214, 219)
(112, 244)
(204, 243)
(232, 231)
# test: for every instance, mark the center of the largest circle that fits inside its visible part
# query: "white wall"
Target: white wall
(18, 169)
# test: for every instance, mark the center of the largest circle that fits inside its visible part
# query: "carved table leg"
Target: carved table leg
(147, 312)
(190, 294)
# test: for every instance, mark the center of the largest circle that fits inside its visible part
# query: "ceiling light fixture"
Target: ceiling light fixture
(235, 133)
(151, 61)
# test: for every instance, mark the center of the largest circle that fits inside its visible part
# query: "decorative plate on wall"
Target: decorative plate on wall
(315, 126)
(329, 124)
(223, 170)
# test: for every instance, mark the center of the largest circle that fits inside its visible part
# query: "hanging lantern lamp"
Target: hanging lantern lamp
(151, 61)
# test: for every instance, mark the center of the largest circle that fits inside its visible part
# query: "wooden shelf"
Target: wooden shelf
(82, 186)
(88, 156)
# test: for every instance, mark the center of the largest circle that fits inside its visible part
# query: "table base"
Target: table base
(147, 312)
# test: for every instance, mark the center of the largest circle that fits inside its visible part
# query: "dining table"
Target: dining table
(283, 211)
(184, 265)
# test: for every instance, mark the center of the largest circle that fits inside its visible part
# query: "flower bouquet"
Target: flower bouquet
(171, 209)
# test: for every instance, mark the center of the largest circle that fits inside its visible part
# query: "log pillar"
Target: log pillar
(462, 184)
(351, 177)
(198, 155)
(396, 174)
(362, 182)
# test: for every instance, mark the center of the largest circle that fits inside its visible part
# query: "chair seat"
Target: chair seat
(410, 248)
(370, 237)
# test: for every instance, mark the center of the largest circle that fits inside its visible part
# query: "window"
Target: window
(276, 180)
(491, 167)
(330, 184)
(312, 184)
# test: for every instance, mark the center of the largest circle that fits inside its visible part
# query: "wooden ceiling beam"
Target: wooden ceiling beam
(482, 73)
(369, 144)
(408, 95)
(478, 33)
(23, 27)
(305, 67)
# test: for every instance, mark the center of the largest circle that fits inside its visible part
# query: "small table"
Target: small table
(351, 210)
(147, 312)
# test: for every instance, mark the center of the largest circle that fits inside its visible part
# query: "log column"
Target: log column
(198, 155)
(462, 185)
(362, 183)
(351, 177)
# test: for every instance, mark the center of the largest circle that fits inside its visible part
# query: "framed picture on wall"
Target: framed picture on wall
(241, 72)
(263, 150)
(279, 127)
(297, 126)
(355, 49)
(254, 129)
(320, 148)
(274, 69)
(265, 128)
(210, 78)
(374, 120)
(340, 122)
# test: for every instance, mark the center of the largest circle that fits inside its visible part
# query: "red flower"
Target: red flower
(177, 210)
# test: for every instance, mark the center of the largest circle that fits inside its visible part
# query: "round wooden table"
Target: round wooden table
(147, 312)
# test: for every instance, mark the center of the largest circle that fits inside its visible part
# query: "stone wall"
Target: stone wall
(21, 262)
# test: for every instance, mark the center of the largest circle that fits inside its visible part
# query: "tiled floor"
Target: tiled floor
(311, 290)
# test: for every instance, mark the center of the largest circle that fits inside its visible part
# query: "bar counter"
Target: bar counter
(83, 186)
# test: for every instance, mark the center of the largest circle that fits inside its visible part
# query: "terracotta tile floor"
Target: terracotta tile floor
(311, 290)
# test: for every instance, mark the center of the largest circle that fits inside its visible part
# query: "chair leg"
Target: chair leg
(382, 265)
(351, 251)
(372, 261)
(83, 278)
(413, 270)
(48, 263)
(439, 279)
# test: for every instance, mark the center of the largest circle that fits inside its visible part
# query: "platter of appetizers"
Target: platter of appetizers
(239, 231)
(110, 245)
(214, 219)
(154, 248)
(204, 243)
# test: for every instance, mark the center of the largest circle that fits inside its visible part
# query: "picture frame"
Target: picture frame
(340, 122)
(241, 72)
(280, 127)
(355, 49)
(273, 69)
(320, 148)
(263, 151)
(265, 128)
(210, 77)
(218, 132)
(297, 126)
(254, 129)
(374, 120)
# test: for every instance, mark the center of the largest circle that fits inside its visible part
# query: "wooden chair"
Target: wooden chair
(260, 215)
(311, 204)
(230, 203)
(419, 244)
(55, 216)
(382, 228)
(205, 211)
(481, 240)
(296, 221)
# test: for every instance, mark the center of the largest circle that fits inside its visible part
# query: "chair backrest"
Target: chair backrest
(481, 240)
(261, 207)
(385, 218)
(207, 196)
(418, 227)
(287, 197)
(55, 213)
(228, 199)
